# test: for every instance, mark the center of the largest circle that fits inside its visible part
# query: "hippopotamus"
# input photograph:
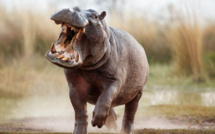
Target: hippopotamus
(104, 66)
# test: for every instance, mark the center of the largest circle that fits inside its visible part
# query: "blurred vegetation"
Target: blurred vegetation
(25, 34)
(209, 49)
(181, 41)
(150, 34)
(186, 41)
(186, 47)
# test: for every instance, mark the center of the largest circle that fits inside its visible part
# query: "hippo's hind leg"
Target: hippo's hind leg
(111, 119)
(129, 114)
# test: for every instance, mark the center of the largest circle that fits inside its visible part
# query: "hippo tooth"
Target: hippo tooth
(79, 34)
(72, 56)
(60, 57)
(65, 29)
(65, 59)
(53, 50)
(83, 30)
(77, 57)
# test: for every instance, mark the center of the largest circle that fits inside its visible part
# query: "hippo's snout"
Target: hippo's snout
(74, 19)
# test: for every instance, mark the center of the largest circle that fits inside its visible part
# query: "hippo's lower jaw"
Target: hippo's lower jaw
(62, 52)
(70, 63)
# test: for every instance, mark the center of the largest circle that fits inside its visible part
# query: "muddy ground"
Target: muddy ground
(148, 125)
(163, 109)
(54, 114)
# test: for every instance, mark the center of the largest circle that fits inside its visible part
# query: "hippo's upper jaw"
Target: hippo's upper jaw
(62, 53)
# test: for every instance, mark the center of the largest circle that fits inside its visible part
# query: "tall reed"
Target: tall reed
(20, 31)
(147, 32)
(209, 48)
(185, 36)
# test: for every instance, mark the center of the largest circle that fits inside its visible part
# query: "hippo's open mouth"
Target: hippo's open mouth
(63, 52)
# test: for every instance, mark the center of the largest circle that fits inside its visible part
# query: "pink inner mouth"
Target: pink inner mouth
(63, 48)
(62, 53)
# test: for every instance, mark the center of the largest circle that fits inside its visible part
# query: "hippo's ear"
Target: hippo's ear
(102, 15)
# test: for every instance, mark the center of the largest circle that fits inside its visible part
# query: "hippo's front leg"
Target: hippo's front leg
(103, 104)
(80, 108)
(78, 94)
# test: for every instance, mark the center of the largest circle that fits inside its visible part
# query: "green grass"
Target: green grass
(163, 75)
(174, 131)
(196, 113)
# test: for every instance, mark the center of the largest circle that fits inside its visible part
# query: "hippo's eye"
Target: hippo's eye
(95, 17)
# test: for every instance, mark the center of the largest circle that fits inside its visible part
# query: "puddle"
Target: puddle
(169, 97)
(208, 98)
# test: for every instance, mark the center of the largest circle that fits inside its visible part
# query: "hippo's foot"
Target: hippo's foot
(111, 120)
(80, 129)
(99, 117)
(127, 127)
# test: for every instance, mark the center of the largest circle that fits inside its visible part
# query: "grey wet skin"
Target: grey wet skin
(103, 66)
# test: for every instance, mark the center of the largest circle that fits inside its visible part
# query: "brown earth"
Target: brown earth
(65, 125)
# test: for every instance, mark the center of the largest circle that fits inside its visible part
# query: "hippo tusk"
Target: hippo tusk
(83, 30)
(60, 57)
(77, 57)
(53, 50)
(80, 32)
(65, 29)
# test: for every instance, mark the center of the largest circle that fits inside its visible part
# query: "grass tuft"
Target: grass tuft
(185, 38)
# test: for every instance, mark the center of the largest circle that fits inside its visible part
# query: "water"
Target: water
(173, 97)
(58, 105)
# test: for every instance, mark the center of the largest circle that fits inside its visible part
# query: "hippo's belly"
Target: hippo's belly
(132, 75)
(93, 95)
(126, 96)
(120, 99)
(92, 99)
